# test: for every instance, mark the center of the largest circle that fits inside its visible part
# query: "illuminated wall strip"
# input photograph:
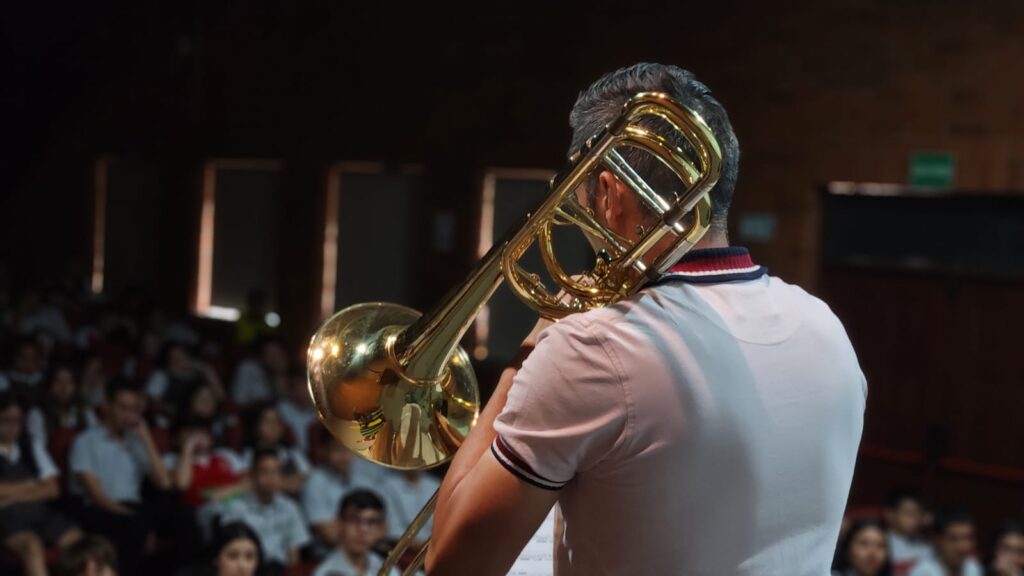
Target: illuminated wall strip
(204, 280)
(329, 276)
(482, 326)
(99, 230)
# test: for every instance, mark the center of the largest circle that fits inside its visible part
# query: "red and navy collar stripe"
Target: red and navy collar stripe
(715, 265)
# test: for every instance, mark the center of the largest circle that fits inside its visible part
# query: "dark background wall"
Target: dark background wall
(818, 92)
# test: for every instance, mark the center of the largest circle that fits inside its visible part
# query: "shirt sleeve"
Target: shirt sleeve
(157, 384)
(35, 423)
(80, 459)
(316, 500)
(47, 469)
(300, 461)
(299, 535)
(566, 410)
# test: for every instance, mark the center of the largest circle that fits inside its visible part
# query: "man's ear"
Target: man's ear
(611, 198)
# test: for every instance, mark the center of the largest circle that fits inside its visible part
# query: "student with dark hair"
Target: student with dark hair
(361, 517)
(1006, 557)
(62, 406)
(275, 517)
(340, 473)
(110, 463)
(863, 551)
(28, 481)
(237, 550)
(296, 408)
(954, 547)
(234, 551)
(905, 517)
(179, 374)
(261, 377)
(25, 378)
(266, 431)
(91, 556)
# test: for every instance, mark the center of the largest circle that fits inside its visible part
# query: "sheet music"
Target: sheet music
(538, 557)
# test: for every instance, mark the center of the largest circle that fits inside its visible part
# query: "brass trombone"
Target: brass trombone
(395, 387)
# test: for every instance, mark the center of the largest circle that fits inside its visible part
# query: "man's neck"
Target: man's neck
(712, 239)
(357, 559)
(265, 498)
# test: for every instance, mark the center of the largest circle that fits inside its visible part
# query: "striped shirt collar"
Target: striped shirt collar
(715, 265)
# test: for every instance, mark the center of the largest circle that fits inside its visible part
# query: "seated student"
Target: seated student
(91, 556)
(341, 472)
(406, 493)
(905, 516)
(235, 551)
(25, 378)
(361, 526)
(954, 548)
(199, 469)
(62, 407)
(296, 408)
(179, 374)
(1007, 554)
(203, 475)
(274, 517)
(28, 480)
(261, 377)
(863, 551)
(110, 463)
(267, 432)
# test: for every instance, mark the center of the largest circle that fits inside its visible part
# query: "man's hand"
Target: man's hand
(531, 338)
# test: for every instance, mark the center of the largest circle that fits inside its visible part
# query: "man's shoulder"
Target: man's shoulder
(321, 477)
(287, 506)
(90, 436)
(333, 563)
(927, 567)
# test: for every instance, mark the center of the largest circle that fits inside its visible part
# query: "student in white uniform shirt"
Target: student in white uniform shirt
(904, 514)
(274, 517)
(361, 520)
(954, 548)
(341, 473)
(28, 482)
(708, 424)
(266, 431)
(406, 493)
(296, 408)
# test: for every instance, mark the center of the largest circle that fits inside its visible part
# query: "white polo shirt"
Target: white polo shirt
(708, 425)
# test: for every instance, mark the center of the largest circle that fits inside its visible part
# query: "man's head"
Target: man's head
(954, 538)
(27, 357)
(361, 514)
(603, 100)
(90, 556)
(338, 458)
(273, 355)
(266, 474)
(11, 416)
(124, 406)
(905, 513)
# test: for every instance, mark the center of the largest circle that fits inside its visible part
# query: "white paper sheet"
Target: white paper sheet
(538, 557)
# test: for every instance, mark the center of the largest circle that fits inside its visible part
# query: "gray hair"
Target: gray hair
(603, 100)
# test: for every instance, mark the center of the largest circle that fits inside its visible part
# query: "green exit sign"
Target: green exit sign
(932, 169)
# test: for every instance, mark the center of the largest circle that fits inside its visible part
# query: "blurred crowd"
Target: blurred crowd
(132, 442)
(907, 538)
(136, 443)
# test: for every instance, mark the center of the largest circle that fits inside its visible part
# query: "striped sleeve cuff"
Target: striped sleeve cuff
(518, 467)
